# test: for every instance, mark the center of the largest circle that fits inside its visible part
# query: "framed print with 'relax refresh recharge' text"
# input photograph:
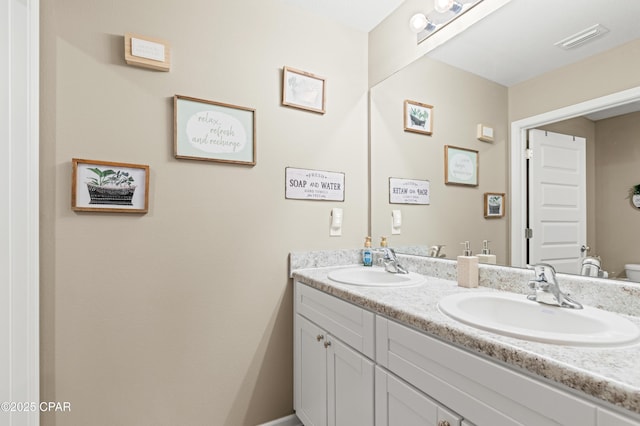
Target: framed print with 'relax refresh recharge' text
(213, 131)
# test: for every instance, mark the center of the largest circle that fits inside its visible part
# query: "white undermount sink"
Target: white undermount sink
(373, 276)
(515, 316)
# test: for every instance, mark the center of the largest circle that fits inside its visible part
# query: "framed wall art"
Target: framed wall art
(301, 89)
(213, 131)
(418, 117)
(109, 187)
(494, 204)
(460, 166)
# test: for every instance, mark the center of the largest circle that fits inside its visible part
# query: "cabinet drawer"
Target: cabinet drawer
(478, 389)
(349, 323)
(610, 418)
(398, 404)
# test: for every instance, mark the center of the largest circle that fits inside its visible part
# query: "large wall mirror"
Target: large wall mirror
(506, 72)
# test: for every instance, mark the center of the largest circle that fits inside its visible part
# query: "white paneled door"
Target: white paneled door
(557, 200)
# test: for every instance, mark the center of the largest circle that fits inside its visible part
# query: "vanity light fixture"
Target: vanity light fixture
(444, 11)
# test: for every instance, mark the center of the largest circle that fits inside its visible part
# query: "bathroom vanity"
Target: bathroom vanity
(388, 356)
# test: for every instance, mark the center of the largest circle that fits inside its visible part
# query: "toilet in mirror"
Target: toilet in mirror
(564, 108)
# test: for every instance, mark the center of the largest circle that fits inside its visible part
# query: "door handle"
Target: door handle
(584, 248)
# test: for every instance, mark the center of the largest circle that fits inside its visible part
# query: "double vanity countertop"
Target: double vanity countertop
(610, 374)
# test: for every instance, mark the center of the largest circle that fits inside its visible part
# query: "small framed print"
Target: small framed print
(460, 166)
(418, 117)
(494, 204)
(109, 187)
(301, 89)
(213, 131)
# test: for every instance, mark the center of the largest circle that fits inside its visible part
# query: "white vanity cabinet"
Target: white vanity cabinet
(333, 382)
(398, 404)
(341, 350)
(481, 391)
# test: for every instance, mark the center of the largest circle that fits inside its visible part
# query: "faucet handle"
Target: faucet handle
(543, 271)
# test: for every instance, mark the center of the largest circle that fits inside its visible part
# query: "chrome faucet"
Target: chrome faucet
(390, 261)
(546, 289)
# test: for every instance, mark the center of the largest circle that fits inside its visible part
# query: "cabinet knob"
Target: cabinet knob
(319, 337)
(443, 423)
(327, 344)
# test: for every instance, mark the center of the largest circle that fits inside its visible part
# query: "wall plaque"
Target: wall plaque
(409, 191)
(304, 184)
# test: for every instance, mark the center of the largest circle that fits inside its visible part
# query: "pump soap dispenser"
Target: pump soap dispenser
(467, 268)
(367, 254)
(486, 256)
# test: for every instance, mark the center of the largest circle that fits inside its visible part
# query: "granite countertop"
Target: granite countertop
(611, 374)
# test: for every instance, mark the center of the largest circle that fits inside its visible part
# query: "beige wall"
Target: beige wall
(618, 166)
(183, 316)
(461, 100)
(599, 75)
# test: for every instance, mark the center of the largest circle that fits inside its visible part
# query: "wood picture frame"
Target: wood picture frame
(494, 204)
(213, 131)
(460, 166)
(418, 117)
(105, 186)
(303, 90)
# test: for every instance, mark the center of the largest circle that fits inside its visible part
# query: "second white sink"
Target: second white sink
(516, 316)
(373, 276)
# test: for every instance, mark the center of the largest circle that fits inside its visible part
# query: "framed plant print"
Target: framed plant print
(418, 117)
(460, 166)
(494, 204)
(213, 131)
(109, 187)
(301, 89)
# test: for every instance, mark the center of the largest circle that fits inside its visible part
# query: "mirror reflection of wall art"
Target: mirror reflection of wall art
(460, 166)
(109, 187)
(303, 90)
(418, 117)
(213, 131)
(635, 196)
(494, 204)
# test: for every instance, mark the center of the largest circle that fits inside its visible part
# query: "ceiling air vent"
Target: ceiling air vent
(582, 37)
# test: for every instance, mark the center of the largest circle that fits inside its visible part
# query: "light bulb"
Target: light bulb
(418, 22)
(443, 5)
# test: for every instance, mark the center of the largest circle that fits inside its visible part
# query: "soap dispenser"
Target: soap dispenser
(467, 268)
(383, 242)
(367, 254)
(486, 256)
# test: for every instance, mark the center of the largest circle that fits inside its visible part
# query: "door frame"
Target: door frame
(517, 181)
(19, 218)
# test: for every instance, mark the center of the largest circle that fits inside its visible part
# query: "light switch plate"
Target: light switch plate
(396, 222)
(335, 228)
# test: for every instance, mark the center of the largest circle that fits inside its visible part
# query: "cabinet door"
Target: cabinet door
(398, 404)
(350, 386)
(310, 374)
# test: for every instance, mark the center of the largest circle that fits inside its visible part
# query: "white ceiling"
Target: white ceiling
(516, 42)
